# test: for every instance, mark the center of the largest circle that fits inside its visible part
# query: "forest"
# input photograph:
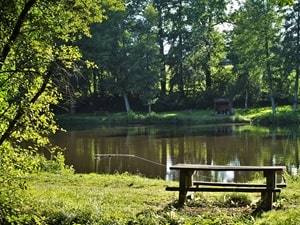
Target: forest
(181, 54)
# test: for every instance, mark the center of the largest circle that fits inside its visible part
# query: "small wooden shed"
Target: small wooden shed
(223, 106)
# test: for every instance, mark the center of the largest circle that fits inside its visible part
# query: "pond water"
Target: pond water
(150, 150)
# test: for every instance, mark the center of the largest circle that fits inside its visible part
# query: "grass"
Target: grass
(95, 199)
(68, 198)
(176, 118)
(263, 116)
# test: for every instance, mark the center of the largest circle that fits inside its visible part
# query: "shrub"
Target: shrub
(15, 168)
(57, 165)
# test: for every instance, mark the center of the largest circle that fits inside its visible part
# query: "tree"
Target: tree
(161, 7)
(125, 49)
(35, 57)
(31, 54)
(207, 15)
(255, 43)
(146, 65)
(291, 47)
(191, 31)
(208, 49)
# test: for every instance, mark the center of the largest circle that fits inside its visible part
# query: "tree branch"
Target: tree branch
(16, 31)
(21, 110)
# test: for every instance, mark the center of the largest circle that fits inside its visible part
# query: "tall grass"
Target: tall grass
(67, 198)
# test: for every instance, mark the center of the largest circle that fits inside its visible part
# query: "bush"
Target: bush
(57, 165)
(16, 167)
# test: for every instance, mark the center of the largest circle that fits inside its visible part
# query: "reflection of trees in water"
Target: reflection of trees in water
(219, 145)
(239, 148)
(296, 143)
(295, 135)
(294, 164)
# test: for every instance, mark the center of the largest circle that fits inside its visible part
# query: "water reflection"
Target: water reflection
(150, 150)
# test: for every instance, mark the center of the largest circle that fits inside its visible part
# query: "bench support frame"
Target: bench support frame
(268, 190)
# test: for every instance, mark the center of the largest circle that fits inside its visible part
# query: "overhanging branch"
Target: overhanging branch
(16, 31)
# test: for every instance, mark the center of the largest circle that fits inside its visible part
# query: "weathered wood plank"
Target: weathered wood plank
(223, 189)
(225, 168)
(204, 183)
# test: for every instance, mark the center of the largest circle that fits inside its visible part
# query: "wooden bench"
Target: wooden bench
(267, 190)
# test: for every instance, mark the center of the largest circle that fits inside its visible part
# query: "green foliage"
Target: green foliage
(55, 165)
(284, 2)
(291, 49)
(15, 207)
(255, 41)
(179, 49)
(35, 58)
(284, 116)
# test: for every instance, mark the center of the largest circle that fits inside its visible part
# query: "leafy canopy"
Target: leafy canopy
(36, 56)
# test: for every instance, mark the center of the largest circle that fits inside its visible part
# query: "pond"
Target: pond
(150, 150)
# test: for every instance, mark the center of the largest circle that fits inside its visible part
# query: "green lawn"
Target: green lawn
(67, 198)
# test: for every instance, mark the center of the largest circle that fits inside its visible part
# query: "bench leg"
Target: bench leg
(182, 198)
(185, 181)
(269, 194)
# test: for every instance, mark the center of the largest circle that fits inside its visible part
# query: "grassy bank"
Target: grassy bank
(262, 116)
(67, 198)
(174, 118)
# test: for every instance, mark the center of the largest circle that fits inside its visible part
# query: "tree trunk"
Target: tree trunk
(295, 105)
(272, 102)
(127, 106)
(161, 49)
(269, 74)
(207, 71)
(180, 66)
(296, 88)
(149, 108)
(246, 99)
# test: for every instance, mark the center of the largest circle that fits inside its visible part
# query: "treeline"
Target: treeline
(182, 54)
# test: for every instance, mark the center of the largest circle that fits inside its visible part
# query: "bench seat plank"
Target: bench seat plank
(204, 183)
(222, 189)
(225, 168)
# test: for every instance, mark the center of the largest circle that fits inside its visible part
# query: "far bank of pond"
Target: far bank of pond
(188, 117)
(259, 116)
